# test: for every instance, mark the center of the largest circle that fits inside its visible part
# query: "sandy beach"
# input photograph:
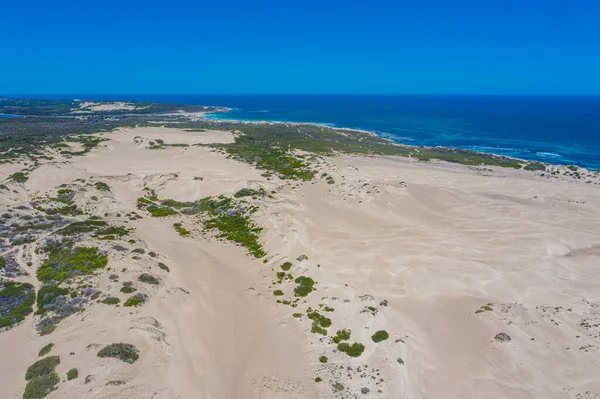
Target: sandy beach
(485, 279)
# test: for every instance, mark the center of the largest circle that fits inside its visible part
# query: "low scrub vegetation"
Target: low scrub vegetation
(16, 302)
(354, 350)
(124, 352)
(379, 336)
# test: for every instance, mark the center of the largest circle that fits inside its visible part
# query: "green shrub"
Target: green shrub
(318, 379)
(111, 300)
(379, 336)
(286, 266)
(278, 293)
(304, 287)
(102, 186)
(128, 290)
(45, 350)
(535, 166)
(43, 366)
(163, 266)
(354, 350)
(72, 374)
(40, 387)
(63, 265)
(181, 230)
(46, 330)
(134, 301)
(124, 352)
(148, 278)
(342, 335)
(19, 177)
(323, 359)
(319, 319)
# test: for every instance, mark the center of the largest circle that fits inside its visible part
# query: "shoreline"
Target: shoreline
(389, 140)
(207, 117)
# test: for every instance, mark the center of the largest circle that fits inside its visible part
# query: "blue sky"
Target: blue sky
(310, 46)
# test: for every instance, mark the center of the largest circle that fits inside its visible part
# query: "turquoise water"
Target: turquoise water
(553, 129)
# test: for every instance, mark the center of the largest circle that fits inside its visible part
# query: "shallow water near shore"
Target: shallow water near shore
(552, 129)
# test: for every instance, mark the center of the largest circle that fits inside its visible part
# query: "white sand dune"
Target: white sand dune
(414, 249)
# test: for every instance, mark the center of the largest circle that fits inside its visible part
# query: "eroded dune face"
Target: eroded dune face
(433, 281)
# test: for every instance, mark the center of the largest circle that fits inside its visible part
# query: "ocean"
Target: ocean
(553, 129)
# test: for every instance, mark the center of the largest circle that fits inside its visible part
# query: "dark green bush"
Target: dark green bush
(111, 300)
(40, 387)
(304, 287)
(354, 350)
(102, 186)
(278, 293)
(43, 366)
(72, 374)
(379, 336)
(342, 335)
(124, 352)
(148, 278)
(163, 266)
(323, 359)
(19, 177)
(286, 266)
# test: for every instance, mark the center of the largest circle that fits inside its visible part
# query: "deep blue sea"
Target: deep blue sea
(554, 129)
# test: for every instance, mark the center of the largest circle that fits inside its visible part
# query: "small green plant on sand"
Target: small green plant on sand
(124, 352)
(278, 293)
(286, 266)
(318, 379)
(72, 374)
(323, 359)
(148, 278)
(111, 300)
(46, 349)
(102, 186)
(304, 287)
(181, 230)
(354, 350)
(380, 335)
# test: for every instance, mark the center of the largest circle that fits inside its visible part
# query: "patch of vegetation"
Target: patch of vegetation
(323, 359)
(318, 379)
(72, 374)
(111, 300)
(18, 177)
(181, 230)
(249, 192)
(46, 330)
(85, 226)
(286, 266)
(40, 387)
(535, 166)
(43, 366)
(124, 352)
(148, 278)
(304, 287)
(135, 301)
(45, 350)
(278, 293)
(342, 335)
(354, 350)
(16, 302)
(102, 186)
(379, 336)
(163, 267)
(112, 232)
(64, 264)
